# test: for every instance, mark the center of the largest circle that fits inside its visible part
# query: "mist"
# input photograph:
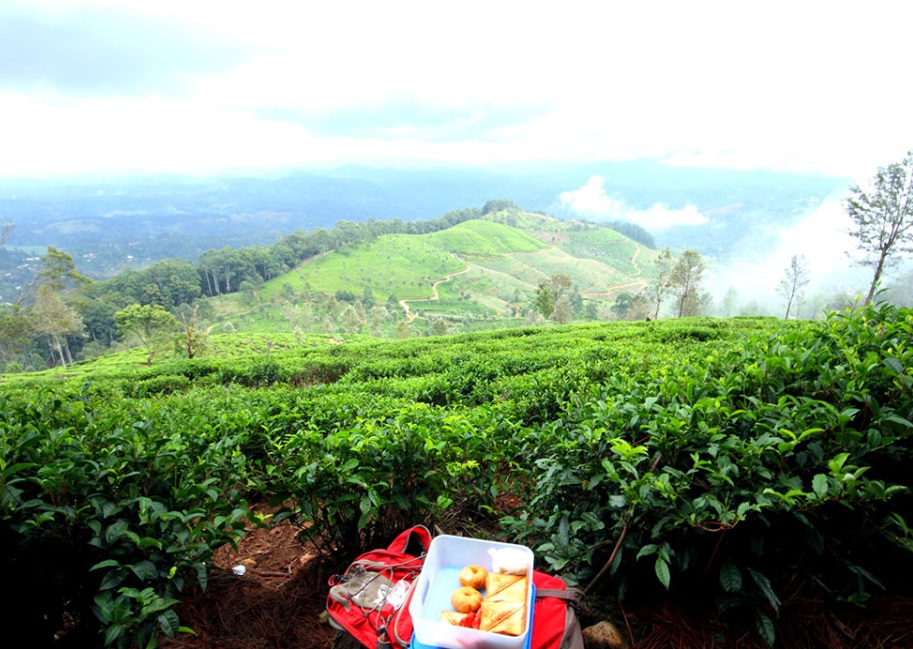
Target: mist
(820, 236)
(747, 237)
(593, 201)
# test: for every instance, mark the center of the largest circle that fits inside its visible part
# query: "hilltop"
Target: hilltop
(483, 268)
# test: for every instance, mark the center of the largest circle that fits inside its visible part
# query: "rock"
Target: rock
(603, 635)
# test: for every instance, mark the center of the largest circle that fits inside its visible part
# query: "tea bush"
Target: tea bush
(783, 459)
(731, 462)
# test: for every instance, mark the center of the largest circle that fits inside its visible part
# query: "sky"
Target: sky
(196, 86)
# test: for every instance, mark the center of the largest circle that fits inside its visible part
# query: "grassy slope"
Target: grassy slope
(503, 258)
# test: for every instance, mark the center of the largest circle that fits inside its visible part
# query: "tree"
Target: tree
(58, 270)
(177, 281)
(622, 305)
(195, 340)
(497, 205)
(685, 281)
(348, 319)
(379, 317)
(563, 311)
(152, 325)
(659, 288)
(544, 302)
(792, 284)
(15, 334)
(6, 231)
(554, 298)
(883, 217)
(730, 302)
(50, 315)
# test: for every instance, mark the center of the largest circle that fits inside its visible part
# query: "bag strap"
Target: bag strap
(574, 596)
(403, 610)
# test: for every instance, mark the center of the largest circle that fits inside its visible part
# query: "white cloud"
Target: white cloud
(717, 83)
(592, 201)
(821, 237)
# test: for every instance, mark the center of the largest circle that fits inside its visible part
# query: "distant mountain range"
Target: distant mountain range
(112, 223)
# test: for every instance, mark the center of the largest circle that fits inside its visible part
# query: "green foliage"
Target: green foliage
(150, 324)
(381, 468)
(485, 238)
(784, 455)
(130, 491)
(728, 462)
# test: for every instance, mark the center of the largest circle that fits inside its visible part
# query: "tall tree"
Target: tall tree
(657, 290)
(685, 281)
(883, 217)
(792, 284)
(6, 231)
(50, 315)
(554, 298)
(58, 270)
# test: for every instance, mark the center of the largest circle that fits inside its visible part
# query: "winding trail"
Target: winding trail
(637, 272)
(410, 316)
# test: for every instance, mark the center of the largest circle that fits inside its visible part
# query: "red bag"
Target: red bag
(370, 601)
(555, 622)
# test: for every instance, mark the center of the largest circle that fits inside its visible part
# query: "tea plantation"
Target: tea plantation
(732, 464)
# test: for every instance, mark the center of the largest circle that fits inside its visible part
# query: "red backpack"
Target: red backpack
(370, 601)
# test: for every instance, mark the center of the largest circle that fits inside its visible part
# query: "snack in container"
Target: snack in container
(504, 619)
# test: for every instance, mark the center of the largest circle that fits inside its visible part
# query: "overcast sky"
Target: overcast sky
(199, 85)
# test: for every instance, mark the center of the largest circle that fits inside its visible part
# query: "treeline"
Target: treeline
(634, 232)
(225, 270)
(171, 283)
(59, 318)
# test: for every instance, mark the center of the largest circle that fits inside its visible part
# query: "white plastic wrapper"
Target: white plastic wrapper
(508, 561)
(397, 596)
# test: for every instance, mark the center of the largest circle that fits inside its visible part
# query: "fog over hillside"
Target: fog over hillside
(820, 235)
(747, 243)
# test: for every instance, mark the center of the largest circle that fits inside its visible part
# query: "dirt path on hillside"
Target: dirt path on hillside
(410, 316)
(638, 271)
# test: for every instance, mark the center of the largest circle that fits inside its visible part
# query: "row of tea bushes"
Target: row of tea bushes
(698, 443)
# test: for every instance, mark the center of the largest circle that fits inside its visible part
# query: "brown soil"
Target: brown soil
(278, 603)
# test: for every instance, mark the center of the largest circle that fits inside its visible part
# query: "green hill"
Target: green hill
(479, 237)
(482, 267)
